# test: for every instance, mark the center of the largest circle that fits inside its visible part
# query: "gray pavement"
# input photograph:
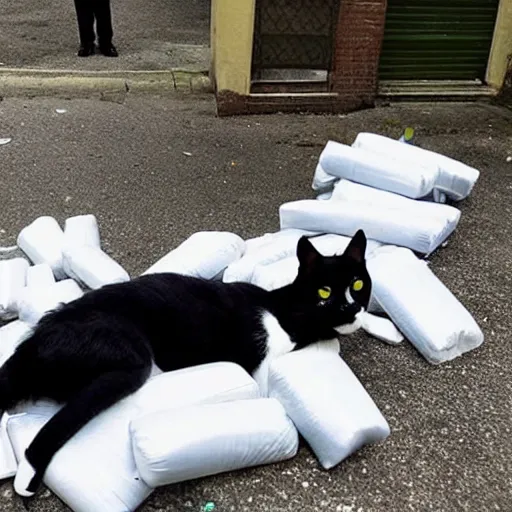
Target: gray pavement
(451, 442)
(159, 34)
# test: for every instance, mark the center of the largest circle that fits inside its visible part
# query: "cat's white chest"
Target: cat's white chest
(278, 343)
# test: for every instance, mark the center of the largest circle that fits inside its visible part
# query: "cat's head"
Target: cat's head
(337, 287)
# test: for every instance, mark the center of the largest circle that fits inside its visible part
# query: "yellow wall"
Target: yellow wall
(501, 50)
(232, 29)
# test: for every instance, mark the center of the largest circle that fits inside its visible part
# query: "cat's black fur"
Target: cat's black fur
(98, 349)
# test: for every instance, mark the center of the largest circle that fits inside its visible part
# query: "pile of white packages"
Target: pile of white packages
(215, 418)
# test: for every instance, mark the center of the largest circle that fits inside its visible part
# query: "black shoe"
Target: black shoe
(109, 50)
(86, 50)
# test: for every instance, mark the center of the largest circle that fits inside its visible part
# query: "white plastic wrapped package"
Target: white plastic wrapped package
(204, 254)
(11, 335)
(438, 196)
(348, 191)
(326, 402)
(325, 196)
(264, 250)
(411, 178)
(95, 470)
(421, 233)
(277, 274)
(8, 463)
(174, 446)
(253, 244)
(40, 276)
(421, 306)
(203, 384)
(34, 303)
(13, 277)
(42, 242)
(455, 178)
(92, 267)
(82, 230)
(322, 180)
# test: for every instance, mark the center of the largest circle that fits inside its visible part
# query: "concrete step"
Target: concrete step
(423, 90)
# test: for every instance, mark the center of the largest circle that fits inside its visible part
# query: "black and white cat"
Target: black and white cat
(93, 352)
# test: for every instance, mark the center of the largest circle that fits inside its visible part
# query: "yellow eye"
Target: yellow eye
(358, 285)
(324, 293)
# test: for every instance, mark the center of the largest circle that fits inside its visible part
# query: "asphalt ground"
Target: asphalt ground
(451, 445)
(155, 35)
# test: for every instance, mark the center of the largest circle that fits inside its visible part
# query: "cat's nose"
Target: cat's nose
(353, 309)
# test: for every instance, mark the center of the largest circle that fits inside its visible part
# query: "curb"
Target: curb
(105, 85)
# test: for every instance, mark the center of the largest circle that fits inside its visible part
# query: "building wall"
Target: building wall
(501, 50)
(357, 47)
(232, 28)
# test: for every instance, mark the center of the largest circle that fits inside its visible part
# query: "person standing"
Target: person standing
(87, 12)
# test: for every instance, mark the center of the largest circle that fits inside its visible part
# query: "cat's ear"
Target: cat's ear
(307, 254)
(357, 247)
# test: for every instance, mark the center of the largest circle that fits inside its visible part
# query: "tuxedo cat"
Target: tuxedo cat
(92, 352)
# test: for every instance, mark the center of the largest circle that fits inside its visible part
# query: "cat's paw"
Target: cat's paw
(24, 479)
(350, 328)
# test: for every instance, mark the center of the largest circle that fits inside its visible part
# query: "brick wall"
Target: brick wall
(357, 50)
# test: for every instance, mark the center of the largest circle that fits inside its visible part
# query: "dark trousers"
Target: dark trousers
(86, 12)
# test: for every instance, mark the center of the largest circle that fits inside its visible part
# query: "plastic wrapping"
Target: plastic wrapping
(455, 179)
(388, 225)
(11, 335)
(321, 180)
(421, 306)
(208, 383)
(82, 230)
(354, 192)
(40, 276)
(411, 178)
(204, 254)
(326, 402)
(13, 277)
(42, 242)
(34, 303)
(173, 446)
(92, 267)
(277, 274)
(95, 471)
(324, 196)
(264, 250)
(8, 463)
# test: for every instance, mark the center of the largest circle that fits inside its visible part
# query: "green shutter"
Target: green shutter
(437, 39)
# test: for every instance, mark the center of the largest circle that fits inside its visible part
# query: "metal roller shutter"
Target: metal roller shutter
(437, 39)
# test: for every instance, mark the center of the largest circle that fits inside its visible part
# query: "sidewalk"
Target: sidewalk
(450, 447)
(155, 35)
